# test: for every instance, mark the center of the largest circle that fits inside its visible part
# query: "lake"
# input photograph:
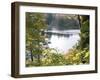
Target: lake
(63, 40)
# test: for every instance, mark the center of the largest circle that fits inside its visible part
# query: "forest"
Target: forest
(38, 52)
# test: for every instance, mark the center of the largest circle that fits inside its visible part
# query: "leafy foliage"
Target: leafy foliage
(78, 57)
(34, 38)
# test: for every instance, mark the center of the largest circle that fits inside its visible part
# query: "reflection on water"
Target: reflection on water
(63, 41)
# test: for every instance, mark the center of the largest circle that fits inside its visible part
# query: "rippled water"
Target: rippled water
(64, 41)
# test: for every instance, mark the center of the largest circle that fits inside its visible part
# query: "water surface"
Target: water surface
(62, 41)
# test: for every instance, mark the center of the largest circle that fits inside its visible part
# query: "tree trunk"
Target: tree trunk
(79, 21)
(31, 56)
(39, 61)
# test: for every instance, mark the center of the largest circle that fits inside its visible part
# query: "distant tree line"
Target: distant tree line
(62, 23)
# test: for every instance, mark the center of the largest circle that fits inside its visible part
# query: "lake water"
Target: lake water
(62, 41)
